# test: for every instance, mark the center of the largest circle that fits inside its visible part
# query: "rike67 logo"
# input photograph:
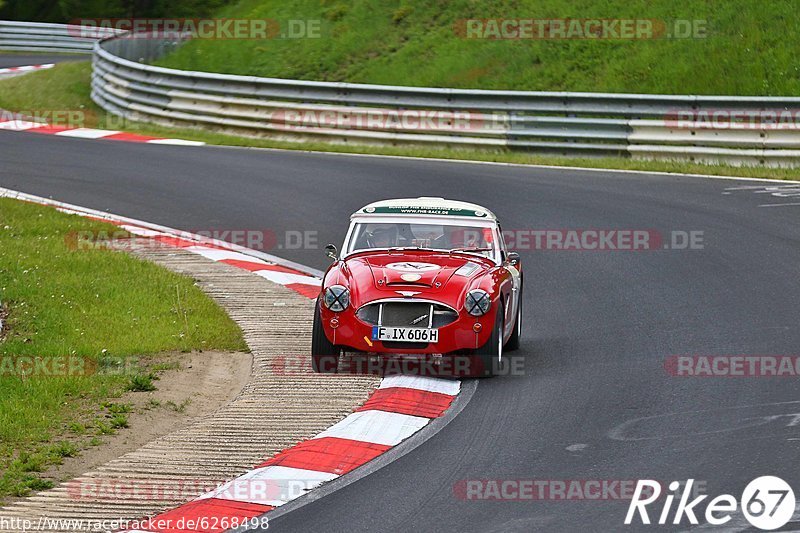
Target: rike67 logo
(767, 503)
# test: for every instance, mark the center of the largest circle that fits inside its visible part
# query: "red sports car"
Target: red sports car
(420, 277)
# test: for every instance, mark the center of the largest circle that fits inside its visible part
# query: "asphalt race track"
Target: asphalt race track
(595, 401)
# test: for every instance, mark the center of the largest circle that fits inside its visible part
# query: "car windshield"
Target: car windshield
(439, 236)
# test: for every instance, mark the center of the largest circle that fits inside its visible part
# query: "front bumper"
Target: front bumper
(355, 334)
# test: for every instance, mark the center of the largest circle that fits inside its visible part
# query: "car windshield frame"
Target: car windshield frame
(348, 246)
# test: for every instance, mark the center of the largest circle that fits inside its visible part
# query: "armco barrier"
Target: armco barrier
(564, 123)
(43, 37)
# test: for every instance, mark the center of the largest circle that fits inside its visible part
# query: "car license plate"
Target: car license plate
(382, 333)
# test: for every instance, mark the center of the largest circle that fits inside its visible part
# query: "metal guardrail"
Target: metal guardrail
(565, 123)
(43, 37)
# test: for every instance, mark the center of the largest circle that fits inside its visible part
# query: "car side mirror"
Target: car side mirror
(332, 252)
(513, 258)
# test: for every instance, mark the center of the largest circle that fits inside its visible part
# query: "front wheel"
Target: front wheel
(324, 354)
(513, 341)
(490, 355)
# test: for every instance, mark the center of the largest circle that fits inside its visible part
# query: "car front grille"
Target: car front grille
(409, 314)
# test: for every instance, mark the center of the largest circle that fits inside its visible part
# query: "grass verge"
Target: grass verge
(741, 48)
(105, 309)
(66, 88)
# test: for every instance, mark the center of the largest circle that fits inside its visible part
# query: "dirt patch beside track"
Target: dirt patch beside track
(280, 404)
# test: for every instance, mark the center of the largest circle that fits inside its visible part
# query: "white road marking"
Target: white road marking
(778, 191)
(87, 133)
(142, 232)
(215, 254)
(620, 432)
(176, 142)
(519, 165)
(790, 184)
(576, 447)
(285, 278)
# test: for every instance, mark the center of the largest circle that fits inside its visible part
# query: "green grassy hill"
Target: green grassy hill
(751, 47)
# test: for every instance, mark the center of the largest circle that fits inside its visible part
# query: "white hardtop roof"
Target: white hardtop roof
(426, 205)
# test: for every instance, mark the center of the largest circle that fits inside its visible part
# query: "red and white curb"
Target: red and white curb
(16, 71)
(18, 123)
(401, 406)
(22, 124)
(398, 408)
(90, 133)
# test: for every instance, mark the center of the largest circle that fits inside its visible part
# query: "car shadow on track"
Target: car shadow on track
(445, 367)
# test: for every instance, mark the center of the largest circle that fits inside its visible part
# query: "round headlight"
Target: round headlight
(477, 302)
(337, 298)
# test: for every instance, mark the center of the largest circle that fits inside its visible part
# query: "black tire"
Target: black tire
(489, 355)
(324, 354)
(513, 341)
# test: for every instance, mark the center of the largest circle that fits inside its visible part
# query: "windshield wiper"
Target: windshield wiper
(402, 248)
(470, 250)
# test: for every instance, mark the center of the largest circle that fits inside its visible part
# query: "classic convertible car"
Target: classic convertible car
(424, 276)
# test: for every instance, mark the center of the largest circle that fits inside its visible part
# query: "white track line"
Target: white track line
(642, 173)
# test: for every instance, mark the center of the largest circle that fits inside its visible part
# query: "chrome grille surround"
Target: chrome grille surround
(400, 312)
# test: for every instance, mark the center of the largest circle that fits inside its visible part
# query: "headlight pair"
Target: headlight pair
(337, 298)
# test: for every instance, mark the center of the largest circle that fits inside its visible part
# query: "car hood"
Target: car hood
(441, 276)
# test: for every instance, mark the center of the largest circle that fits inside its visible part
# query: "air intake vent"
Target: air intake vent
(407, 314)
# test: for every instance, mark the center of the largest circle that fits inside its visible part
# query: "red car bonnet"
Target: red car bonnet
(440, 276)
